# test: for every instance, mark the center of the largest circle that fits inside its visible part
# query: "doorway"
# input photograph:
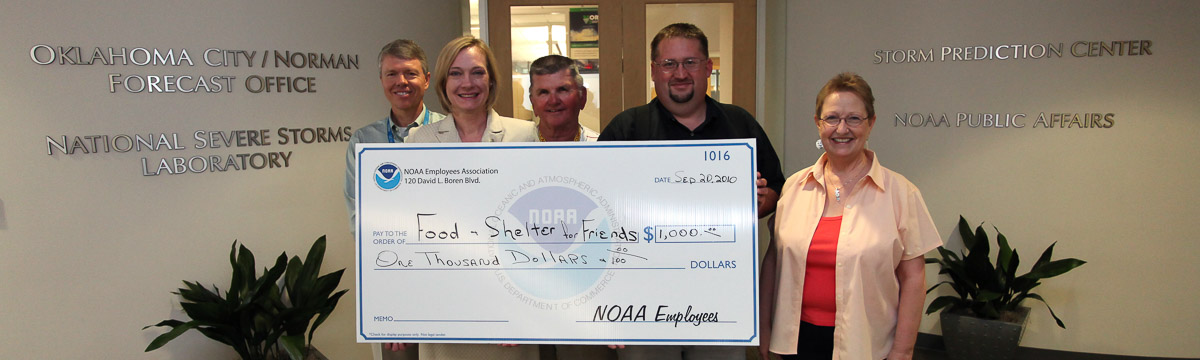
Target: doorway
(614, 54)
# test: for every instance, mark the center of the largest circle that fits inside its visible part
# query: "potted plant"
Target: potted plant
(267, 317)
(985, 319)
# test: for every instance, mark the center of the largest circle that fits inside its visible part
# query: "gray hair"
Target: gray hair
(403, 49)
(552, 64)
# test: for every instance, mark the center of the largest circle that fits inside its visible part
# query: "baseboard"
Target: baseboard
(935, 343)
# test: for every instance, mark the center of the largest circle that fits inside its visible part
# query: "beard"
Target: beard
(682, 98)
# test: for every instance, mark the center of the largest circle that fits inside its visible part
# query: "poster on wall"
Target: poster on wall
(585, 39)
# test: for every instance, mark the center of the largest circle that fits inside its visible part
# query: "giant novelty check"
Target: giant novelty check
(568, 243)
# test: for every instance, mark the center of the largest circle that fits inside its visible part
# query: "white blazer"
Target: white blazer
(499, 129)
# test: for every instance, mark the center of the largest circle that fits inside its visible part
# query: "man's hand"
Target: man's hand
(766, 196)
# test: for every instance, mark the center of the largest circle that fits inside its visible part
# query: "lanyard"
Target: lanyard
(392, 137)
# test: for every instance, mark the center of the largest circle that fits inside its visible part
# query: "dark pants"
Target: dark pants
(816, 342)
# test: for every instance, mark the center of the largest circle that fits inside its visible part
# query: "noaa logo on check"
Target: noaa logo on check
(569, 211)
(387, 176)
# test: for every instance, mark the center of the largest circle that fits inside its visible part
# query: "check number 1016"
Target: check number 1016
(716, 155)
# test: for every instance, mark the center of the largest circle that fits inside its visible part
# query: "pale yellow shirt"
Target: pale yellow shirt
(885, 221)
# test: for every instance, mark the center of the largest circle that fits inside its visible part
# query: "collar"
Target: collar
(393, 129)
(816, 173)
(578, 134)
(422, 118)
(447, 131)
(711, 112)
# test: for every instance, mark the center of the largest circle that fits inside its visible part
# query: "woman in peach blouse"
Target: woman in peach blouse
(844, 276)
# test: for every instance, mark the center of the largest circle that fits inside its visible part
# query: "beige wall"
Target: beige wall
(90, 249)
(1120, 198)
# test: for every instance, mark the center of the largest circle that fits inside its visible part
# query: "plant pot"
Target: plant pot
(969, 337)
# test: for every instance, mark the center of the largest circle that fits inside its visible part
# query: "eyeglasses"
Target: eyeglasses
(851, 121)
(689, 64)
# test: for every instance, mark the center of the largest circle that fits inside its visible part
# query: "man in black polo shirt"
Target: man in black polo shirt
(680, 68)
(682, 111)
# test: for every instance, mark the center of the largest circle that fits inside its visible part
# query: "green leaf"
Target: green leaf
(1013, 262)
(964, 231)
(270, 276)
(236, 279)
(208, 311)
(949, 256)
(979, 268)
(942, 302)
(1056, 319)
(310, 268)
(168, 322)
(952, 265)
(935, 286)
(332, 303)
(985, 295)
(170, 335)
(1004, 253)
(316, 255)
(1045, 258)
(243, 271)
(294, 346)
(292, 276)
(982, 243)
(1054, 268)
(1025, 285)
(327, 283)
(197, 293)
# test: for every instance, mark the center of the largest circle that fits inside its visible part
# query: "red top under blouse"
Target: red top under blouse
(819, 307)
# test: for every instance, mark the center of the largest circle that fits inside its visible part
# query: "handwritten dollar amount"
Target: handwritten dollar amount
(619, 254)
(688, 233)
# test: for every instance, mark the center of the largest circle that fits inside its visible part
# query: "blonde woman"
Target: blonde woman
(466, 85)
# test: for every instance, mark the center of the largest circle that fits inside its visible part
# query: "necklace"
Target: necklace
(837, 192)
(543, 139)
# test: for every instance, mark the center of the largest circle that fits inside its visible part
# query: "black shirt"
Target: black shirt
(722, 121)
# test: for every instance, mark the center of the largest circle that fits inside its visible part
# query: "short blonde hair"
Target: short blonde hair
(441, 69)
(851, 83)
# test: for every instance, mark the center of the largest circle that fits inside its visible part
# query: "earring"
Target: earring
(820, 146)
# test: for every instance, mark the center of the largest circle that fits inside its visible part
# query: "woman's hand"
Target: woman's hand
(911, 275)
